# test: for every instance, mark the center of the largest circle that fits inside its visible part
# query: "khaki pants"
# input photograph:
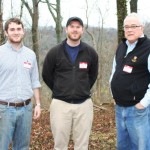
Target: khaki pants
(66, 117)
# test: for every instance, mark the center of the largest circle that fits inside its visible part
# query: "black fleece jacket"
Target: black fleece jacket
(70, 82)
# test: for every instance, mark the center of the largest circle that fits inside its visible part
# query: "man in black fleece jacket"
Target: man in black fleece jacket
(70, 70)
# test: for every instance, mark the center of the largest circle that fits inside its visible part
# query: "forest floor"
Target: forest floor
(103, 135)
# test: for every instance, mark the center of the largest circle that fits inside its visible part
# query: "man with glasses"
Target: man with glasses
(130, 87)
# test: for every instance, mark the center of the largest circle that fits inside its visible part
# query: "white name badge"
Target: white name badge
(83, 65)
(27, 65)
(127, 69)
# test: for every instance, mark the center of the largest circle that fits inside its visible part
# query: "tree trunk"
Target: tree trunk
(35, 18)
(121, 14)
(1, 23)
(56, 9)
(133, 5)
(58, 22)
(34, 13)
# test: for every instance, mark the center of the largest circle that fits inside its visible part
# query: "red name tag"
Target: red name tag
(127, 69)
(83, 65)
(27, 65)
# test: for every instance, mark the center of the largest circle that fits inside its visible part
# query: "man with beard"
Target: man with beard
(70, 70)
(19, 81)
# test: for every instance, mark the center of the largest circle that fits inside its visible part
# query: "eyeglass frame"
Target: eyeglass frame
(133, 27)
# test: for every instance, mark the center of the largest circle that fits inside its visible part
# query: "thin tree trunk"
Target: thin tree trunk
(133, 5)
(34, 13)
(1, 23)
(56, 9)
(121, 14)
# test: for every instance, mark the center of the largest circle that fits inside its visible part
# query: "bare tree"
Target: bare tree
(21, 10)
(1, 22)
(92, 36)
(34, 13)
(12, 13)
(102, 79)
(87, 26)
(133, 5)
(55, 11)
(100, 90)
(121, 14)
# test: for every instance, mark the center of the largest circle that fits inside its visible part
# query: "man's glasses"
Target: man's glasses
(133, 27)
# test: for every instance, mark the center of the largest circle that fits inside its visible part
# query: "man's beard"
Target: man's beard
(74, 39)
(16, 41)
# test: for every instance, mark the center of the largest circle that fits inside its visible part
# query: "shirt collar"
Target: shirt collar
(133, 44)
(9, 45)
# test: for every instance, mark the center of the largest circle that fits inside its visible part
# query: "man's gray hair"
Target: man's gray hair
(135, 15)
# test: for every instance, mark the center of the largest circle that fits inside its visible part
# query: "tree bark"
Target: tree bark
(56, 9)
(34, 13)
(121, 14)
(35, 18)
(133, 6)
(1, 23)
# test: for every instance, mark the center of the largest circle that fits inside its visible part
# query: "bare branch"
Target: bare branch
(47, 2)
(29, 9)
(11, 9)
(21, 10)
(49, 8)
(87, 24)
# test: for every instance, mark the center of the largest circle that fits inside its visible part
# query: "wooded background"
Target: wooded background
(104, 40)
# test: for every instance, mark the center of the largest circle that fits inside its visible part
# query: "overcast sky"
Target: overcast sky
(78, 8)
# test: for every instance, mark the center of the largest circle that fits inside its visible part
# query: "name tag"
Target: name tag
(83, 65)
(27, 65)
(127, 69)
